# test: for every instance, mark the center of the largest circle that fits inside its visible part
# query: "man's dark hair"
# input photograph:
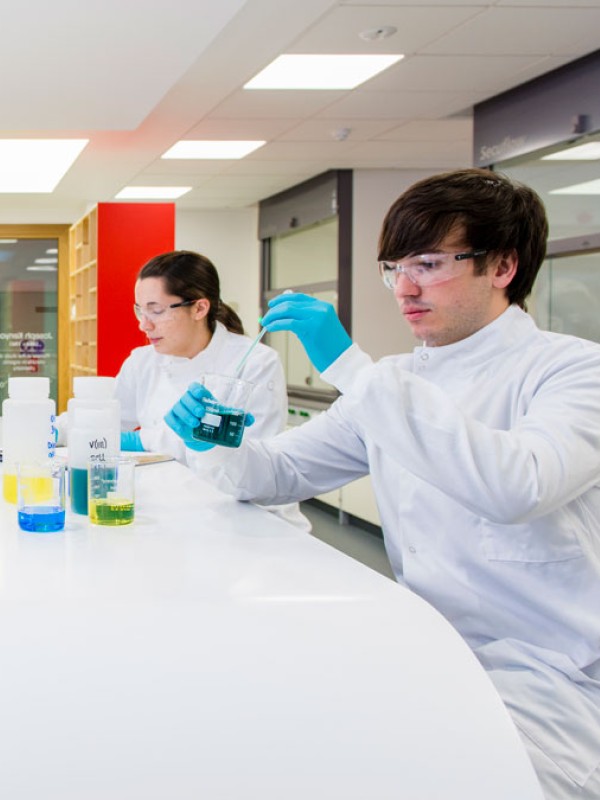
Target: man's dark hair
(496, 214)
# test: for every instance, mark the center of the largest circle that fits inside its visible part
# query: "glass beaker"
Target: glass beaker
(223, 422)
(111, 488)
(41, 496)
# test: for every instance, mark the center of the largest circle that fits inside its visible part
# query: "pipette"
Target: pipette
(246, 355)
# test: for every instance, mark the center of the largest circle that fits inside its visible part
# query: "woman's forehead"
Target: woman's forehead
(151, 290)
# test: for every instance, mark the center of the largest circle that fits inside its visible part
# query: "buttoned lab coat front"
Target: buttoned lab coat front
(485, 461)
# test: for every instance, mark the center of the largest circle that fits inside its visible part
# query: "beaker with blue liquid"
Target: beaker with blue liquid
(41, 496)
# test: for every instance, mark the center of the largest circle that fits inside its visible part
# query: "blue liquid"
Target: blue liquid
(78, 487)
(41, 519)
(220, 425)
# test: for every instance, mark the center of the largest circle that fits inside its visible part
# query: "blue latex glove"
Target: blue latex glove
(187, 413)
(131, 440)
(314, 322)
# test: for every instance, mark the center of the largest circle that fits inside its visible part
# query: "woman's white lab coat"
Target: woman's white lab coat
(485, 461)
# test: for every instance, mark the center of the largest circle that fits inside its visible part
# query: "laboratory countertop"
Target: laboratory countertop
(210, 650)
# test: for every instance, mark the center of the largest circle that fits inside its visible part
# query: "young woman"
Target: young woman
(191, 331)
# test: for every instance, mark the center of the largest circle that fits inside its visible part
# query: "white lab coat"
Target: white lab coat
(485, 460)
(149, 384)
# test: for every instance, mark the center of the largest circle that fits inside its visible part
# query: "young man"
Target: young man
(484, 449)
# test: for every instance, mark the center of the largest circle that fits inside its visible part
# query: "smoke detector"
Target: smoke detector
(376, 34)
(341, 134)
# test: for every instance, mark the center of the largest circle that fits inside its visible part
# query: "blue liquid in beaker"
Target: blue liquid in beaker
(41, 519)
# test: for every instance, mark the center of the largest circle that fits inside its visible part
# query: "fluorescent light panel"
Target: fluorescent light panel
(152, 192)
(588, 187)
(583, 152)
(209, 149)
(36, 165)
(312, 71)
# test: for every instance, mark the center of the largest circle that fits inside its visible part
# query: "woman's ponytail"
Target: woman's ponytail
(227, 316)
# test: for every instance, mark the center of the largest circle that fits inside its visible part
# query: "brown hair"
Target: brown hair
(191, 276)
(496, 214)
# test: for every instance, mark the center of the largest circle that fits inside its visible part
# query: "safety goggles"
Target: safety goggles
(426, 269)
(155, 311)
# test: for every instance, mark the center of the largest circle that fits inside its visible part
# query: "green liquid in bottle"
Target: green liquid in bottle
(114, 511)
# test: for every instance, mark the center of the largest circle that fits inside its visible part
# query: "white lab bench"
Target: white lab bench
(210, 650)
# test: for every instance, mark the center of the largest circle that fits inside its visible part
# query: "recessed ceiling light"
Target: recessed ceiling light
(588, 187)
(204, 148)
(8, 241)
(41, 268)
(46, 261)
(313, 71)
(36, 165)
(152, 192)
(583, 152)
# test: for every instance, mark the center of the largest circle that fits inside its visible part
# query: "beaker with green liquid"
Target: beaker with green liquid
(111, 491)
(223, 422)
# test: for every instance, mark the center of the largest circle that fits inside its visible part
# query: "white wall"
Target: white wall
(377, 325)
(230, 239)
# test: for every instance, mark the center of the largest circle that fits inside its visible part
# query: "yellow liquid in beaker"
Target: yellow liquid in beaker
(34, 489)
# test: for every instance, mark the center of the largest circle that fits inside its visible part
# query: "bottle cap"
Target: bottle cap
(88, 387)
(29, 388)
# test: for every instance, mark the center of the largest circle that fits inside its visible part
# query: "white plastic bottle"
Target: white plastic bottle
(28, 433)
(94, 392)
(92, 437)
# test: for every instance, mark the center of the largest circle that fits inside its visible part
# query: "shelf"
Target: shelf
(81, 368)
(84, 267)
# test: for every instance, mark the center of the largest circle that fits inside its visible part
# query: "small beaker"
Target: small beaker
(111, 491)
(41, 496)
(223, 422)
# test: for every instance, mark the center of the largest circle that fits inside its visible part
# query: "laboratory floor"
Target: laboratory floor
(362, 543)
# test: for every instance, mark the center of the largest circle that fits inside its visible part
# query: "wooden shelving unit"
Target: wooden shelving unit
(107, 248)
(83, 297)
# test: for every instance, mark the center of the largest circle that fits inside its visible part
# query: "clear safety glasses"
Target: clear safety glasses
(426, 269)
(155, 311)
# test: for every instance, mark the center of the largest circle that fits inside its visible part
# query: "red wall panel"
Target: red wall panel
(128, 235)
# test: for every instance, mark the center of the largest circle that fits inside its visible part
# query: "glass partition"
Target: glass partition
(28, 310)
(566, 296)
(306, 256)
